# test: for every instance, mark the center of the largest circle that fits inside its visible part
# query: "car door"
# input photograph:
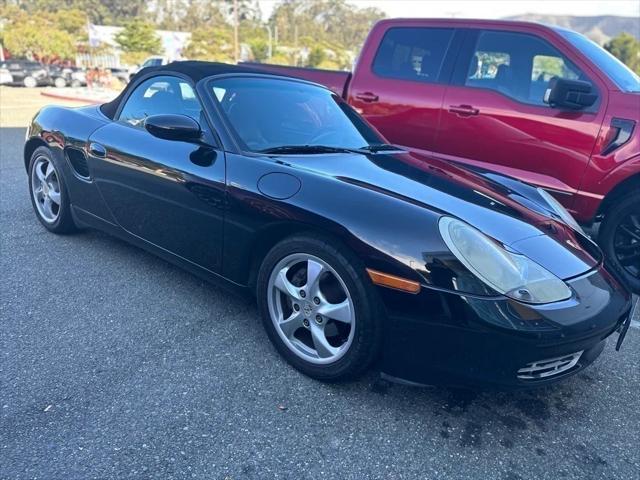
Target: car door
(400, 88)
(495, 117)
(170, 193)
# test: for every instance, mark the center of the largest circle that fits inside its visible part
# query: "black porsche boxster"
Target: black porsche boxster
(357, 251)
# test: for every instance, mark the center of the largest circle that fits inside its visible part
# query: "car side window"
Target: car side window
(160, 95)
(517, 65)
(415, 54)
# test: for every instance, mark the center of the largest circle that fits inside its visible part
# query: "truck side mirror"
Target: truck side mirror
(569, 94)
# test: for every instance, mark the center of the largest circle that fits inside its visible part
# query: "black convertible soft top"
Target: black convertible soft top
(193, 69)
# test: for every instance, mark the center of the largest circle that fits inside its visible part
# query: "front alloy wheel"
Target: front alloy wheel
(311, 308)
(319, 308)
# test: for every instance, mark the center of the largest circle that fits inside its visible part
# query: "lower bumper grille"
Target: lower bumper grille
(549, 367)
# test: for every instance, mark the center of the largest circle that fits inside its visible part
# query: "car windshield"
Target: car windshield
(617, 71)
(284, 116)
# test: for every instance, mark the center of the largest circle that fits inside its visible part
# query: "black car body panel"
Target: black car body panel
(215, 210)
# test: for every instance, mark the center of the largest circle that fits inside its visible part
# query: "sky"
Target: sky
(490, 8)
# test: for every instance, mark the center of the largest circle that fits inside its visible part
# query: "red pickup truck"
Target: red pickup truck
(542, 104)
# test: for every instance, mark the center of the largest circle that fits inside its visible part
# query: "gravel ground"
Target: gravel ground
(118, 365)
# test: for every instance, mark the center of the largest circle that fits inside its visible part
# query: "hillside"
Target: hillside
(599, 29)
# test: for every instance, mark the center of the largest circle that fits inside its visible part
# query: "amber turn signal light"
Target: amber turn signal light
(391, 281)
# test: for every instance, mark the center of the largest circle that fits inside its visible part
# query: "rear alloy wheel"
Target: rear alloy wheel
(620, 239)
(48, 194)
(60, 82)
(30, 82)
(319, 311)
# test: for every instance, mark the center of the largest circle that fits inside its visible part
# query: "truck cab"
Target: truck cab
(542, 104)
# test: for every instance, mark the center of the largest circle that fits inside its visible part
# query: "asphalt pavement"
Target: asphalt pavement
(116, 365)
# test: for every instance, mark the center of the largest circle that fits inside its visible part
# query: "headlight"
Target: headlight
(511, 274)
(559, 210)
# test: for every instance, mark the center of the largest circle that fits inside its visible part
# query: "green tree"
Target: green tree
(138, 40)
(259, 49)
(39, 36)
(213, 44)
(105, 12)
(626, 48)
(73, 21)
(38, 40)
(316, 57)
(338, 25)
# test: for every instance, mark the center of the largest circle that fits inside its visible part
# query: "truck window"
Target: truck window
(617, 71)
(517, 65)
(415, 54)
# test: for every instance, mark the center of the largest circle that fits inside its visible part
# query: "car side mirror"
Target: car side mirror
(569, 94)
(173, 127)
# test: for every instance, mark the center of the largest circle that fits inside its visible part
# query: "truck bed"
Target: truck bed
(336, 80)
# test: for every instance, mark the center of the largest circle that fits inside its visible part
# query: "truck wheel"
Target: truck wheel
(30, 82)
(319, 308)
(60, 82)
(620, 239)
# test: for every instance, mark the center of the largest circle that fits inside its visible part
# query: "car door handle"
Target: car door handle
(463, 110)
(97, 150)
(367, 97)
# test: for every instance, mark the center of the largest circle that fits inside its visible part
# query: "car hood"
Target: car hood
(506, 209)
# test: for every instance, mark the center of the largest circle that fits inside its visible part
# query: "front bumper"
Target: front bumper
(445, 338)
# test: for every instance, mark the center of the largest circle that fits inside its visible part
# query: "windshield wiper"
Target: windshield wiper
(380, 147)
(308, 149)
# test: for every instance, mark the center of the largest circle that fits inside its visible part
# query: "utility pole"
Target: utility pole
(295, 45)
(235, 31)
(270, 50)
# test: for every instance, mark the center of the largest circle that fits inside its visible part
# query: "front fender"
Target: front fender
(389, 234)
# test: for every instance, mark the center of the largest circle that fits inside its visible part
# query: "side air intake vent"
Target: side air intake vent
(78, 162)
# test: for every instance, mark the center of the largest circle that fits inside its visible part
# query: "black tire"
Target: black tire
(367, 337)
(616, 216)
(64, 221)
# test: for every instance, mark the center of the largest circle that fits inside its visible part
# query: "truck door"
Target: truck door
(494, 115)
(399, 88)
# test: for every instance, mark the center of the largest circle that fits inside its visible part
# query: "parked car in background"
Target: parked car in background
(121, 74)
(542, 104)
(153, 61)
(67, 76)
(356, 250)
(5, 75)
(26, 73)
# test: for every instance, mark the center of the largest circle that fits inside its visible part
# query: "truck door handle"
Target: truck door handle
(367, 97)
(97, 150)
(463, 110)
